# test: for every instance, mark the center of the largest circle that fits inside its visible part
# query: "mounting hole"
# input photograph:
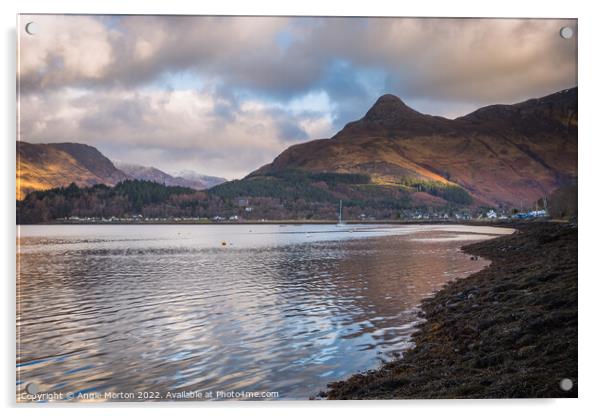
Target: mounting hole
(566, 32)
(32, 388)
(566, 384)
(31, 28)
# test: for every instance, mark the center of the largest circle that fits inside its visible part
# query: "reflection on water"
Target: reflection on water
(169, 308)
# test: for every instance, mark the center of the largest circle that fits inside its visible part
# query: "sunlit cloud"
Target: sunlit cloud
(167, 127)
(224, 95)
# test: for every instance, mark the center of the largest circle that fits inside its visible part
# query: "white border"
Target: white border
(590, 153)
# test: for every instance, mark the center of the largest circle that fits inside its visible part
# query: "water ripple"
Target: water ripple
(149, 308)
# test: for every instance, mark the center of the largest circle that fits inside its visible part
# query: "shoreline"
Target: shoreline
(505, 224)
(507, 331)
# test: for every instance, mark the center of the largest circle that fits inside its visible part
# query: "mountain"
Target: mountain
(192, 180)
(206, 180)
(45, 166)
(393, 163)
(505, 155)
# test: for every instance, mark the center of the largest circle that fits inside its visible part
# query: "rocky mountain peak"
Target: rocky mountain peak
(390, 108)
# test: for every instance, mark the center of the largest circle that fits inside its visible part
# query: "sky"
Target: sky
(225, 95)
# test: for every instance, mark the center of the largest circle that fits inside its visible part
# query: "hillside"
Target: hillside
(53, 165)
(505, 155)
(45, 166)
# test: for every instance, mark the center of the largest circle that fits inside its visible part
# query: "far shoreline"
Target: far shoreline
(506, 223)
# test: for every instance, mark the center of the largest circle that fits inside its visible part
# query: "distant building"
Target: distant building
(491, 214)
(535, 214)
(530, 214)
(242, 202)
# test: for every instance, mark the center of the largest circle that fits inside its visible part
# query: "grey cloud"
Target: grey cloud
(190, 130)
(290, 131)
(101, 80)
(485, 60)
(477, 60)
(109, 113)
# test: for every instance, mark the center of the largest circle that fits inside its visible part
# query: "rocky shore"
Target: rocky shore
(508, 331)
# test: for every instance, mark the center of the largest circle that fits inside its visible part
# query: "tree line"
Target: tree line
(282, 195)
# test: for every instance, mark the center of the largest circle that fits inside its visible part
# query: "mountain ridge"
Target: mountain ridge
(502, 154)
(48, 165)
(42, 166)
(149, 173)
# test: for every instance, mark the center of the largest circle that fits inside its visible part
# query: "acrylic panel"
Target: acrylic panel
(295, 208)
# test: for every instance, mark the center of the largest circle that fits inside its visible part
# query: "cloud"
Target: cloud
(160, 128)
(133, 50)
(197, 90)
(67, 49)
(451, 59)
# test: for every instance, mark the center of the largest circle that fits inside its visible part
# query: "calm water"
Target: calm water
(168, 308)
